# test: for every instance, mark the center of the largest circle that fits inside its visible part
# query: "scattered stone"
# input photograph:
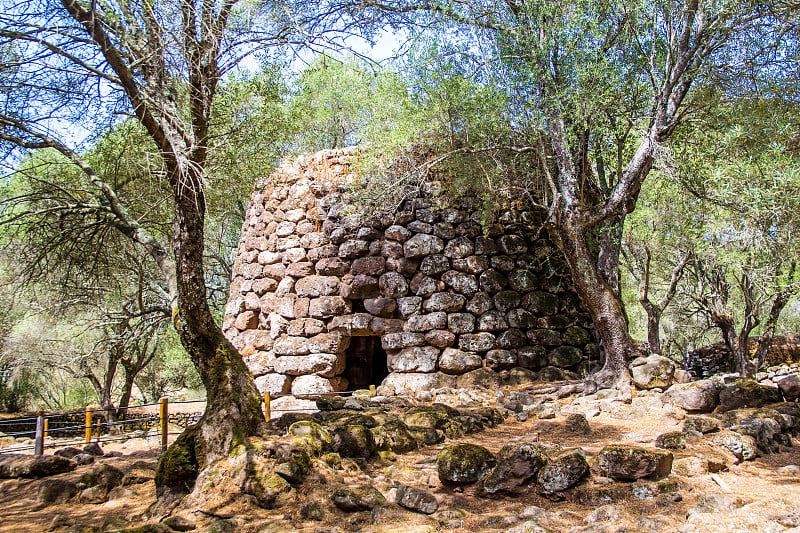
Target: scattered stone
(702, 396)
(16, 466)
(790, 386)
(55, 491)
(746, 393)
(93, 449)
(742, 446)
(103, 475)
(419, 500)
(517, 465)
(361, 498)
(674, 440)
(652, 372)
(629, 463)
(464, 463)
(563, 471)
(353, 441)
(577, 424)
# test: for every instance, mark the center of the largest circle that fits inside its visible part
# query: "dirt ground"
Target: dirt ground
(756, 495)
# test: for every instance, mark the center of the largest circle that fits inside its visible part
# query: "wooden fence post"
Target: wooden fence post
(38, 444)
(88, 432)
(163, 413)
(267, 407)
(46, 426)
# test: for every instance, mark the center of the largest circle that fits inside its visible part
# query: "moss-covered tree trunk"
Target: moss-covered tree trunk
(605, 308)
(233, 409)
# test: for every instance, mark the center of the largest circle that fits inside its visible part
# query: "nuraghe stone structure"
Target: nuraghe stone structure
(324, 300)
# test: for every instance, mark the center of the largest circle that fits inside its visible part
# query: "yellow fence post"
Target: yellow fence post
(267, 409)
(372, 390)
(163, 413)
(88, 424)
(46, 427)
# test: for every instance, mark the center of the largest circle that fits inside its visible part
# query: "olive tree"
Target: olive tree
(161, 64)
(596, 92)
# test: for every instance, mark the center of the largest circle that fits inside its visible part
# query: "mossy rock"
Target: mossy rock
(426, 417)
(674, 440)
(394, 436)
(489, 416)
(103, 475)
(269, 488)
(330, 403)
(563, 471)
(226, 525)
(362, 498)
(287, 419)
(359, 420)
(629, 463)
(319, 436)
(518, 465)
(464, 463)
(746, 392)
(701, 424)
(333, 460)
(426, 436)
(353, 441)
(147, 528)
(180, 464)
(312, 511)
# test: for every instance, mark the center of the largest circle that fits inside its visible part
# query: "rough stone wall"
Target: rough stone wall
(318, 291)
(714, 359)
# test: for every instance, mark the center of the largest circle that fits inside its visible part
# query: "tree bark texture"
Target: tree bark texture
(604, 306)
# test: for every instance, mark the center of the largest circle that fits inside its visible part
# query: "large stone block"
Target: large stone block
(421, 245)
(465, 284)
(290, 346)
(314, 286)
(478, 342)
(328, 343)
(313, 385)
(328, 306)
(459, 248)
(393, 285)
(434, 264)
(414, 359)
(322, 364)
(444, 301)
(453, 361)
(427, 322)
(461, 323)
(371, 266)
(273, 383)
(405, 339)
(411, 383)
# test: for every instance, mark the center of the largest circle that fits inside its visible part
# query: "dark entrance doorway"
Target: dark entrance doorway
(366, 362)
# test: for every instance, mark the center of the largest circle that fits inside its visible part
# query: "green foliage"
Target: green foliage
(170, 371)
(342, 102)
(730, 191)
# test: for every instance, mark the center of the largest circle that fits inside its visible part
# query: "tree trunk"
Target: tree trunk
(125, 399)
(233, 409)
(653, 329)
(610, 246)
(604, 306)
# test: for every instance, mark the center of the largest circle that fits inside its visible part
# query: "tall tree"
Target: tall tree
(161, 63)
(601, 89)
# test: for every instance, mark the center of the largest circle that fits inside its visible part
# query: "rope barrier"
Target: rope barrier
(91, 426)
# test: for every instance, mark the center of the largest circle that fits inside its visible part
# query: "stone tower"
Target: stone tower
(324, 299)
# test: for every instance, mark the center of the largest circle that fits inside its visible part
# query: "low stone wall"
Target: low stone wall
(322, 296)
(714, 359)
